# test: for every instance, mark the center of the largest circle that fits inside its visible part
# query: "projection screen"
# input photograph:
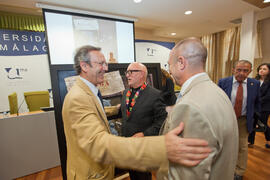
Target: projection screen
(68, 31)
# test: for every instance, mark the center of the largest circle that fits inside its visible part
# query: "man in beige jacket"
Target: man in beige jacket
(92, 152)
(206, 112)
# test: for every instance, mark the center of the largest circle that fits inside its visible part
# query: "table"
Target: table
(28, 144)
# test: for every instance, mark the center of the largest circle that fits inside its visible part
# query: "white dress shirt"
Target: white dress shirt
(234, 91)
(94, 90)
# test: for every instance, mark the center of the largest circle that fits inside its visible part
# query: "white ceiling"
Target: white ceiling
(160, 16)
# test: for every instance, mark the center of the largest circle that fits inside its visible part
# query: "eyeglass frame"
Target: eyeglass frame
(101, 63)
(129, 72)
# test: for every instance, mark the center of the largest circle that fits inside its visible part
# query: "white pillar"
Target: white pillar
(248, 36)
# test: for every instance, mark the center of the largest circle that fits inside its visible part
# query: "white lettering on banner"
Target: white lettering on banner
(15, 47)
(25, 38)
(23, 48)
(44, 48)
(15, 36)
(35, 48)
(3, 48)
(37, 38)
(6, 37)
(22, 43)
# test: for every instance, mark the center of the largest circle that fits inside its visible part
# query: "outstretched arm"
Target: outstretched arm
(185, 151)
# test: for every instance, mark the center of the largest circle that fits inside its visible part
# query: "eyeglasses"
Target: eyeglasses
(104, 64)
(129, 72)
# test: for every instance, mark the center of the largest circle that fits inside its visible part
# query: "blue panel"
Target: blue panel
(22, 43)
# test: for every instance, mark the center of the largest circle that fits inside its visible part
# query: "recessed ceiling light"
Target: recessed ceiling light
(266, 1)
(188, 12)
(137, 1)
(173, 34)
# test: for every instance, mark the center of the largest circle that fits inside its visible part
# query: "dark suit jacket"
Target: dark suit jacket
(253, 91)
(265, 96)
(147, 114)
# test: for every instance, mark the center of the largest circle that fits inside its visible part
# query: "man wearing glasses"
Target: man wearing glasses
(244, 95)
(142, 108)
(92, 151)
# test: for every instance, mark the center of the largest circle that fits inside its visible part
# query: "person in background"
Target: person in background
(142, 108)
(263, 75)
(92, 151)
(167, 90)
(244, 95)
(206, 112)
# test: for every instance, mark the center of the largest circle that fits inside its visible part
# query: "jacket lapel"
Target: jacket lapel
(97, 104)
(250, 86)
(229, 90)
(263, 89)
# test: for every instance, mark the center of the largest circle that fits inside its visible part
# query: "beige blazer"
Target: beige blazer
(92, 152)
(208, 114)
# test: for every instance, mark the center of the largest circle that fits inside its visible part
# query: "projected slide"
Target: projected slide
(67, 32)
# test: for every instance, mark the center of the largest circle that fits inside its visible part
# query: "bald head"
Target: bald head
(139, 66)
(136, 74)
(187, 58)
(193, 50)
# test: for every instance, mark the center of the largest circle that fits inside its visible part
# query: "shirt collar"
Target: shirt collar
(244, 82)
(187, 82)
(91, 86)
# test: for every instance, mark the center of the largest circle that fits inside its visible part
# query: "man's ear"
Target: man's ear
(83, 66)
(182, 62)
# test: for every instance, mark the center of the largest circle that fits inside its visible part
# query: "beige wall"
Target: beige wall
(266, 40)
(145, 34)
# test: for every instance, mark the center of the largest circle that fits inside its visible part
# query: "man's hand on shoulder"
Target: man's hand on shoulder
(139, 134)
(185, 151)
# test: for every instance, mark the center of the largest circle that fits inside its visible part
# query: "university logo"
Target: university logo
(150, 51)
(15, 73)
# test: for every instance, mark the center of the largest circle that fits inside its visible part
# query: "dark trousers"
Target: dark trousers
(264, 119)
(137, 175)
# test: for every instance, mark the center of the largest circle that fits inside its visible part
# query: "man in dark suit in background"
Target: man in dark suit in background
(143, 110)
(244, 95)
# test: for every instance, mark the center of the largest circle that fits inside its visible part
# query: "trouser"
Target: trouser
(137, 175)
(243, 146)
(264, 119)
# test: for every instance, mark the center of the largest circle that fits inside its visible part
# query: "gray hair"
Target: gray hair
(242, 61)
(193, 50)
(82, 54)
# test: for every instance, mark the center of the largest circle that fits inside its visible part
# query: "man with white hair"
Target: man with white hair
(143, 110)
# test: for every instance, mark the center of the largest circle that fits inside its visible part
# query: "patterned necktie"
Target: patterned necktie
(100, 98)
(238, 101)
